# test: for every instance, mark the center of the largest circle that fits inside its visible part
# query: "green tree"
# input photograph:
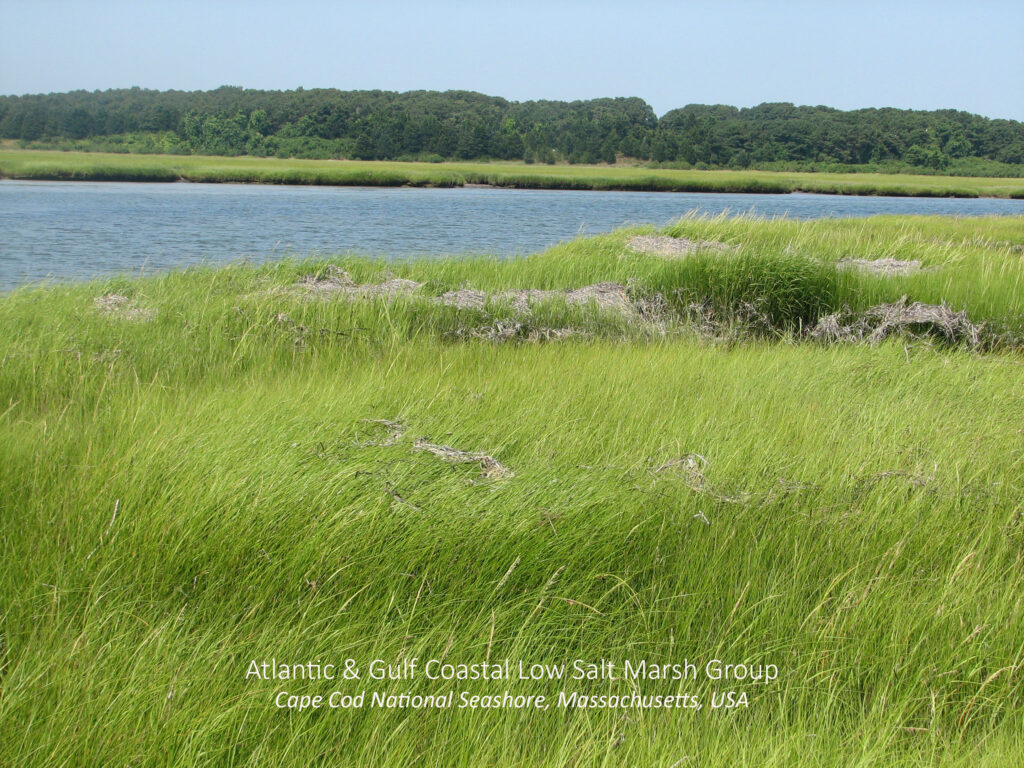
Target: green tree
(259, 122)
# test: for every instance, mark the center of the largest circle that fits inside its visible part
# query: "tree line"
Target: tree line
(430, 125)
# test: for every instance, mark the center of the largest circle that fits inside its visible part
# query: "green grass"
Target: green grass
(95, 166)
(184, 494)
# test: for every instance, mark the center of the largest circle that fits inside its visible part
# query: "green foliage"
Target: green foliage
(930, 158)
(381, 125)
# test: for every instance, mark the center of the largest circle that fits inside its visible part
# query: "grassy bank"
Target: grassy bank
(238, 464)
(83, 166)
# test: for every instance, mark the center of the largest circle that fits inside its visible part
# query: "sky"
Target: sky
(915, 54)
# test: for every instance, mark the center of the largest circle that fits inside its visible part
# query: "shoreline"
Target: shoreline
(33, 165)
(952, 194)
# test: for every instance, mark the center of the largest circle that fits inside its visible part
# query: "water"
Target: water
(81, 229)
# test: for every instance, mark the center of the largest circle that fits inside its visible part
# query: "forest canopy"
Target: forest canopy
(435, 126)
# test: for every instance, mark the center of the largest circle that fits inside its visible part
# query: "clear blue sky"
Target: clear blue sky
(920, 54)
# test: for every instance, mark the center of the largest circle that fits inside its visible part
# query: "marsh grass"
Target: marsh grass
(187, 492)
(55, 165)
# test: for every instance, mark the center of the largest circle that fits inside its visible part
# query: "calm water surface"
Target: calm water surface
(82, 229)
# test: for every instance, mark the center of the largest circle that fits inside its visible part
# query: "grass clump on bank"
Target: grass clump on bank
(231, 464)
(78, 166)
